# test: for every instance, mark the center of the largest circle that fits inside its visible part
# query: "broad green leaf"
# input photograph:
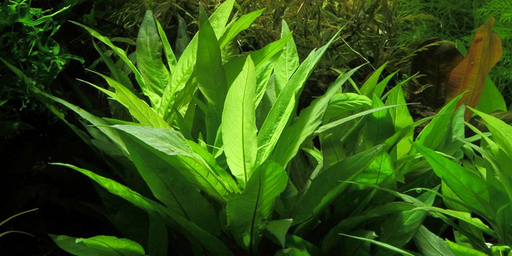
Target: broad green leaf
(157, 238)
(149, 56)
(239, 124)
(303, 128)
(169, 53)
(328, 185)
(293, 241)
(170, 187)
(148, 91)
(431, 245)
(279, 229)
(381, 86)
(173, 148)
(283, 108)
(138, 108)
(182, 38)
(460, 250)
(248, 212)
(343, 102)
(369, 86)
(263, 75)
(98, 245)
(401, 119)
(288, 61)
(209, 242)
(210, 77)
(384, 245)
(238, 26)
(379, 125)
(270, 50)
(433, 133)
(491, 99)
(465, 184)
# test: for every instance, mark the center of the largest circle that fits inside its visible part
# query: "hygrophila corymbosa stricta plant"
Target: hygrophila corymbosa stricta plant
(217, 161)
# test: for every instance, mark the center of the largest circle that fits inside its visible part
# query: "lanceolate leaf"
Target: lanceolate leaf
(306, 124)
(173, 148)
(238, 26)
(470, 74)
(288, 61)
(281, 111)
(169, 53)
(239, 124)
(98, 245)
(149, 56)
(209, 242)
(248, 212)
(328, 185)
(369, 86)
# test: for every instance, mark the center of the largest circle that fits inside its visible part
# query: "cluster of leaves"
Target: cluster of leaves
(213, 152)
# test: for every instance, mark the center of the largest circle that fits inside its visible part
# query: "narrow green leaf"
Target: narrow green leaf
(343, 102)
(220, 17)
(173, 148)
(281, 111)
(501, 131)
(248, 212)
(138, 108)
(149, 56)
(384, 245)
(309, 119)
(238, 26)
(239, 124)
(401, 119)
(169, 53)
(327, 186)
(98, 245)
(288, 61)
(153, 96)
(368, 88)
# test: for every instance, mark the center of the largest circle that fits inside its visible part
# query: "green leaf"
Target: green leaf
(328, 185)
(491, 99)
(173, 148)
(309, 119)
(465, 184)
(279, 229)
(501, 131)
(434, 132)
(209, 242)
(379, 125)
(169, 53)
(148, 91)
(370, 85)
(460, 250)
(384, 245)
(158, 238)
(343, 102)
(169, 186)
(238, 26)
(280, 113)
(149, 56)
(138, 108)
(401, 119)
(247, 212)
(431, 245)
(220, 17)
(288, 61)
(239, 124)
(211, 78)
(98, 245)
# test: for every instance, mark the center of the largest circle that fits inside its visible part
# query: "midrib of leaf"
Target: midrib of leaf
(243, 138)
(207, 181)
(255, 211)
(431, 244)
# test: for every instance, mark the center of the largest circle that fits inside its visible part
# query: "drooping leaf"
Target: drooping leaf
(384, 245)
(247, 212)
(470, 74)
(98, 245)
(239, 124)
(343, 102)
(460, 250)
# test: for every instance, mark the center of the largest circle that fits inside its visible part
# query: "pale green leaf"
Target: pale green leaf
(98, 245)
(238, 26)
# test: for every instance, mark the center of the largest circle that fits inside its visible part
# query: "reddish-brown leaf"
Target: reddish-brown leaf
(485, 51)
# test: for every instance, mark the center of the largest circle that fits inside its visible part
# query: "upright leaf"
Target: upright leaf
(149, 56)
(470, 74)
(369, 86)
(239, 124)
(248, 212)
(238, 26)
(288, 61)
